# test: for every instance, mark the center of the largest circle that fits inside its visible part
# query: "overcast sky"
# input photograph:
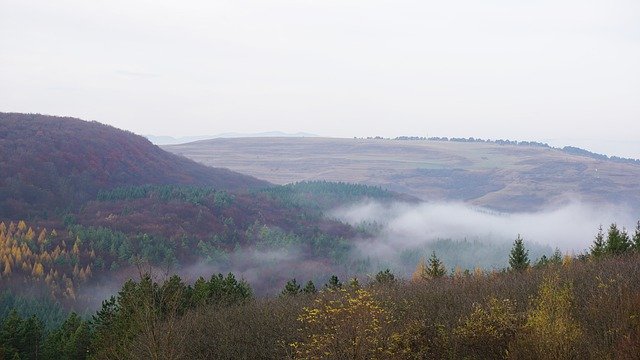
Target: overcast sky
(534, 70)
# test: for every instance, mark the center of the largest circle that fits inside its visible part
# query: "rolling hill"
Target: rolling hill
(53, 164)
(502, 176)
(82, 204)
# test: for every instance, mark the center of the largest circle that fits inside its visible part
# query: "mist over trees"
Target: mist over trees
(580, 307)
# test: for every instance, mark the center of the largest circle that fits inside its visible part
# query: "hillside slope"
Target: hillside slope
(503, 177)
(49, 164)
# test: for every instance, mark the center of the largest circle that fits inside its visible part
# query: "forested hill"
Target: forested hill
(50, 164)
(82, 202)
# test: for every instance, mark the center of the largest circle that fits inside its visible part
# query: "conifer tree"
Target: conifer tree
(310, 288)
(384, 277)
(435, 268)
(334, 283)
(617, 241)
(542, 262)
(556, 257)
(636, 238)
(599, 246)
(519, 257)
(291, 288)
(354, 283)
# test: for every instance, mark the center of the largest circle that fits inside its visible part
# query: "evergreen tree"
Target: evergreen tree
(636, 238)
(334, 283)
(310, 288)
(435, 268)
(617, 241)
(69, 341)
(291, 288)
(385, 277)
(542, 262)
(556, 258)
(21, 338)
(10, 339)
(599, 246)
(519, 257)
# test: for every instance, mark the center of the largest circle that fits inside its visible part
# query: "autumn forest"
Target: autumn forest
(111, 248)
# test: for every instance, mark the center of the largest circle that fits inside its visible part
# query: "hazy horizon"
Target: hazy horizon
(563, 70)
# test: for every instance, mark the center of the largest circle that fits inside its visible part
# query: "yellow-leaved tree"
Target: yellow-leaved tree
(550, 331)
(343, 324)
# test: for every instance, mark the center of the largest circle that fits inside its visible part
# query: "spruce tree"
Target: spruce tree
(598, 248)
(310, 288)
(542, 262)
(354, 283)
(519, 257)
(384, 277)
(617, 241)
(556, 258)
(291, 288)
(636, 238)
(334, 283)
(435, 268)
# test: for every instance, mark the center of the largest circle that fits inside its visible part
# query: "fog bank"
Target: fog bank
(403, 229)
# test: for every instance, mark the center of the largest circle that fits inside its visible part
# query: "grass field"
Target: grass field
(503, 177)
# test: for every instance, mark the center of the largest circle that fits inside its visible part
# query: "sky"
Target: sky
(564, 71)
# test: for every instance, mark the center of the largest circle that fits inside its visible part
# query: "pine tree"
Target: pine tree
(636, 237)
(385, 277)
(598, 248)
(617, 241)
(334, 283)
(556, 258)
(519, 257)
(291, 288)
(542, 262)
(354, 283)
(310, 288)
(435, 268)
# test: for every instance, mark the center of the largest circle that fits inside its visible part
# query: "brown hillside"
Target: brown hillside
(50, 164)
(503, 177)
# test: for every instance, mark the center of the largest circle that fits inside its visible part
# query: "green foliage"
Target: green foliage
(617, 242)
(141, 308)
(519, 256)
(126, 249)
(310, 288)
(70, 341)
(273, 238)
(191, 194)
(20, 338)
(220, 291)
(385, 277)
(291, 288)
(542, 262)
(636, 237)
(323, 195)
(49, 312)
(334, 283)
(212, 251)
(598, 249)
(435, 267)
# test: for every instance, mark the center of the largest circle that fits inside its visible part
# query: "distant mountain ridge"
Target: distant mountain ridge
(51, 163)
(170, 140)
